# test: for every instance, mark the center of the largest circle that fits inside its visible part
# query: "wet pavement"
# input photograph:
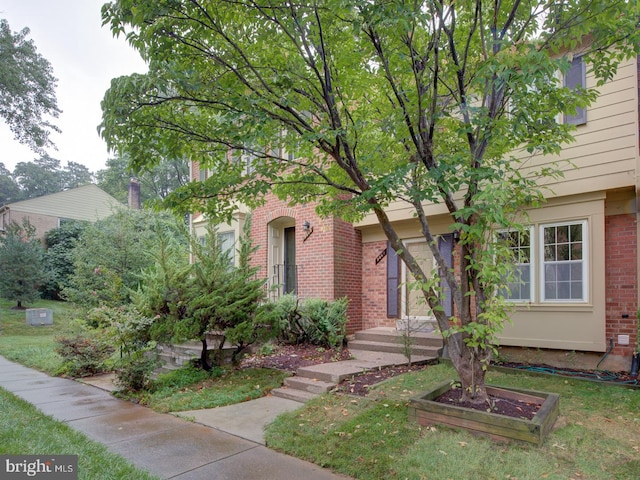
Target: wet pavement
(163, 444)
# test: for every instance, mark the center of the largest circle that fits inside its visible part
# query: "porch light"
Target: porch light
(307, 229)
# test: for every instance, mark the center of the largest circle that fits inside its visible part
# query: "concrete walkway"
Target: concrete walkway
(162, 444)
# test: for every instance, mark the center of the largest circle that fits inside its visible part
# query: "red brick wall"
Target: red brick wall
(374, 287)
(347, 244)
(328, 259)
(621, 280)
(195, 171)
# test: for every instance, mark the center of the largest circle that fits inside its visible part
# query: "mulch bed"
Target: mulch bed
(292, 357)
(359, 384)
(503, 406)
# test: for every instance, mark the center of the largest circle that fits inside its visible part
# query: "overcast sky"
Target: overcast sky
(85, 57)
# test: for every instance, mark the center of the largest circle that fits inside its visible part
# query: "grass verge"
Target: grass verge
(26, 431)
(192, 389)
(33, 346)
(597, 435)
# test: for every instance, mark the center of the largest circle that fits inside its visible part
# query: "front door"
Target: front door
(290, 273)
(415, 305)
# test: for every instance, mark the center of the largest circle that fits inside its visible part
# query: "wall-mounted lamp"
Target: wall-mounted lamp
(307, 229)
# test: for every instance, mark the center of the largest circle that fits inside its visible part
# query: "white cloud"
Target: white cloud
(85, 57)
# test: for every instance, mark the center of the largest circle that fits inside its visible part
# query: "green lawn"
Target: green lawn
(33, 346)
(596, 437)
(192, 389)
(26, 431)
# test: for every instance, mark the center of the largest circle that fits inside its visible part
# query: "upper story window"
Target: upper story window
(227, 241)
(246, 158)
(576, 78)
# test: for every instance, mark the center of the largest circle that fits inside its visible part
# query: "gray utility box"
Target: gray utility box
(39, 316)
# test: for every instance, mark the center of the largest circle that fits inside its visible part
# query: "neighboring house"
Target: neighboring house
(580, 262)
(88, 203)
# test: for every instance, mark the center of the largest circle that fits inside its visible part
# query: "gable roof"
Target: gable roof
(88, 202)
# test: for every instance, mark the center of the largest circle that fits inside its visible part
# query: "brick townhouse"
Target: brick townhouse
(581, 277)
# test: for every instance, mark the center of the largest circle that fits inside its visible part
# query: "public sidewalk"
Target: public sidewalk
(169, 447)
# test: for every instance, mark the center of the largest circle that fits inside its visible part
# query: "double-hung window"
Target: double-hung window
(520, 288)
(227, 241)
(554, 253)
(564, 272)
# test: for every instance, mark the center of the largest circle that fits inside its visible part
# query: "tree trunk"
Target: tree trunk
(204, 356)
(469, 367)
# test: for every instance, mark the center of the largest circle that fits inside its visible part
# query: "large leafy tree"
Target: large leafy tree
(155, 183)
(432, 102)
(45, 175)
(9, 189)
(27, 89)
(21, 264)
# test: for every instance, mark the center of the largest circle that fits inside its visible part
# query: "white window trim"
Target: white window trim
(585, 262)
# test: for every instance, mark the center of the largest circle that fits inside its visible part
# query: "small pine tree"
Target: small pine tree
(21, 264)
(162, 293)
(222, 297)
(188, 301)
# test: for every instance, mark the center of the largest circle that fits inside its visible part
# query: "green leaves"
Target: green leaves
(387, 105)
(27, 89)
(21, 264)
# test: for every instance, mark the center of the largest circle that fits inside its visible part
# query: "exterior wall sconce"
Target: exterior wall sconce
(307, 229)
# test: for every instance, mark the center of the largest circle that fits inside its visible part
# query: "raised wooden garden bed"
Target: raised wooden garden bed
(426, 411)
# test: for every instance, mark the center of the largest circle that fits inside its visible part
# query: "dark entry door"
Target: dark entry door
(290, 273)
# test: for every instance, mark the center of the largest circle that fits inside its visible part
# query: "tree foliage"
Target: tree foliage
(209, 295)
(156, 183)
(9, 190)
(112, 254)
(42, 176)
(428, 103)
(21, 264)
(27, 89)
(60, 244)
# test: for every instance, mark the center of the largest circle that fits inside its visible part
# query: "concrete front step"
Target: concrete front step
(392, 347)
(335, 372)
(310, 385)
(301, 396)
(390, 358)
(391, 335)
(314, 380)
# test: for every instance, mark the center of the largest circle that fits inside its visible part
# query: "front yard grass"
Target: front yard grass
(185, 389)
(597, 435)
(192, 389)
(27, 431)
(33, 346)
